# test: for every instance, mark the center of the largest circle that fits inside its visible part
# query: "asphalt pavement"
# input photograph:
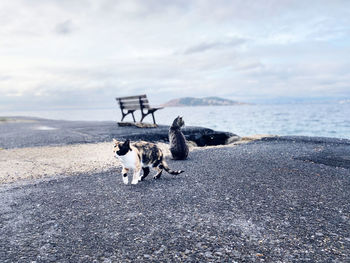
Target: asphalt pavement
(23, 132)
(275, 200)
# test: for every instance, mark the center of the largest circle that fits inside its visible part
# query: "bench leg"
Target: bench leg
(125, 114)
(143, 116)
(154, 121)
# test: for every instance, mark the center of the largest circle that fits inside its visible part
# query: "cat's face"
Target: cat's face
(121, 148)
(178, 122)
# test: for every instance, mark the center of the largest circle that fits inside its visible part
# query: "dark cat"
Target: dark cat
(140, 155)
(178, 146)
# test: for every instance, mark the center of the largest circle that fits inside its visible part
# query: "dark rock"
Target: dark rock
(207, 137)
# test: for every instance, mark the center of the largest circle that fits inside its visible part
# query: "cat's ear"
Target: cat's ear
(115, 141)
(127, 143)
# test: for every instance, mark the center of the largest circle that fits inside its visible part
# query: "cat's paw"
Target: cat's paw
(125, 180)
(134, 181)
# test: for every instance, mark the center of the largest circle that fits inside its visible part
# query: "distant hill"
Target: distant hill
(207, 101)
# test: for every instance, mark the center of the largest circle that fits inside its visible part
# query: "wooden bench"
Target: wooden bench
(132, 103)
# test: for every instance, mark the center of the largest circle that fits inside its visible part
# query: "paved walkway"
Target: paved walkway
(29, 132)
(276, 200)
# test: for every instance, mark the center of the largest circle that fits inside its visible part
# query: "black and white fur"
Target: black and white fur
(140, 155)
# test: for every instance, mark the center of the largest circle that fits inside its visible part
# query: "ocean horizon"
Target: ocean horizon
(321, 120)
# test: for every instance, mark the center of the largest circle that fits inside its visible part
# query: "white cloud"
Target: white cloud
(64, 28)
(52, 50)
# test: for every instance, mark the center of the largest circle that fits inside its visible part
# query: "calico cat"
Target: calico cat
(140, 155)
(178, 146)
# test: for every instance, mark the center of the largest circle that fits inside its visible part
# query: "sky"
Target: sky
(57, 54)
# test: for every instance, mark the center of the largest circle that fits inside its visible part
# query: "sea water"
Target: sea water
(325, 120)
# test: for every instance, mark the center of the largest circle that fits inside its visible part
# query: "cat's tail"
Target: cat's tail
(165, 166)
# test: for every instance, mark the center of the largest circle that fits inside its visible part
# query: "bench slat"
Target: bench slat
(134, 104)
(135, 107)
(132, 97)
(133, 101)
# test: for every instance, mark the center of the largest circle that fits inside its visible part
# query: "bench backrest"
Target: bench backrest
(133, 102)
